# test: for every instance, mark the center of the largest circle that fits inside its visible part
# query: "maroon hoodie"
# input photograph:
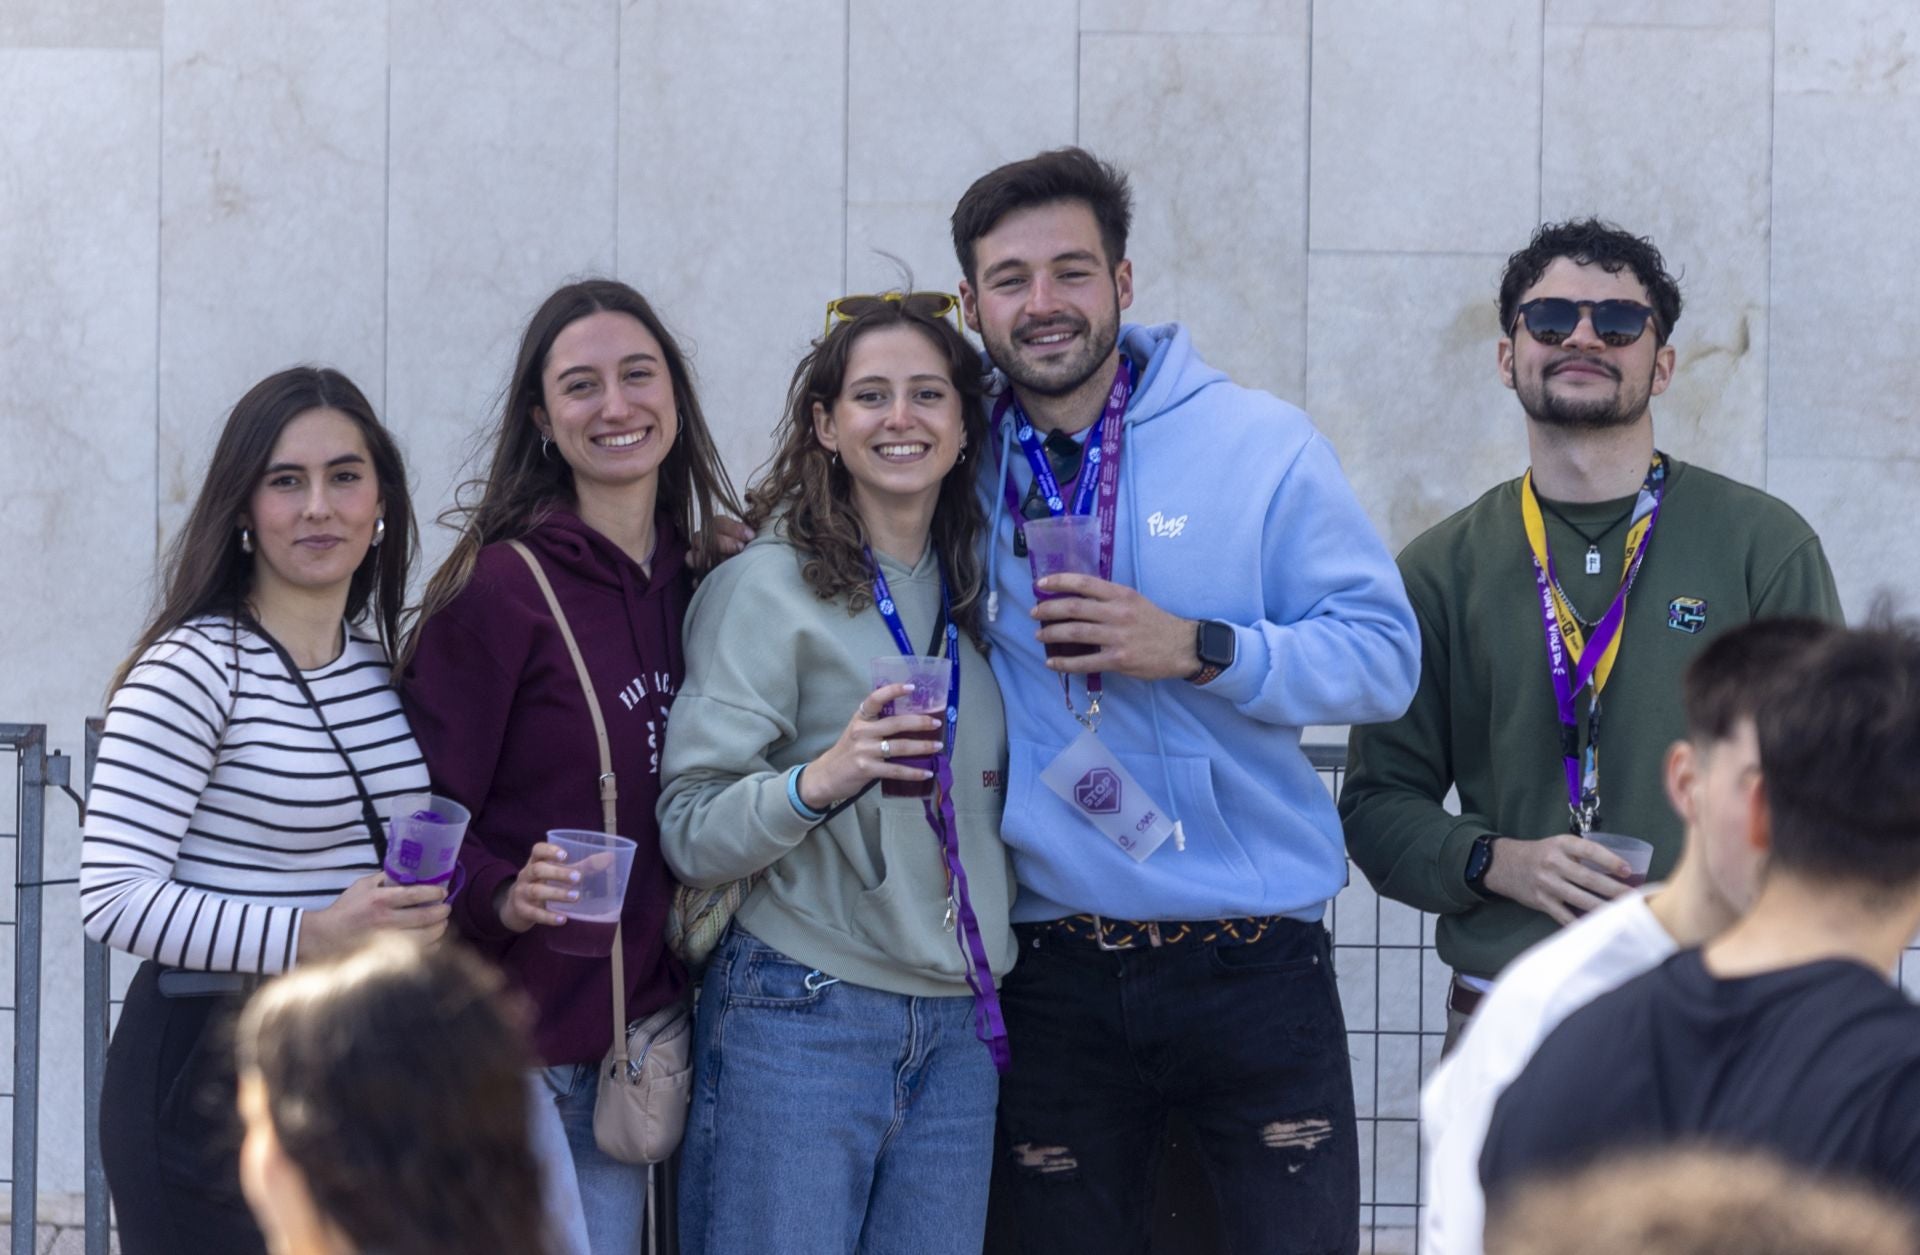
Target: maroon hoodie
(496, 706)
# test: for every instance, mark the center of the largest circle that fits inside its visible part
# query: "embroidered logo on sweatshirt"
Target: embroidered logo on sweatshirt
(1159, 524)
(989, 779)
(1687, 614)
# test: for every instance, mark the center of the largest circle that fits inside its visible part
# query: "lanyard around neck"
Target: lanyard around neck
(989, 1024)
(1575, 659)
(1096, 490)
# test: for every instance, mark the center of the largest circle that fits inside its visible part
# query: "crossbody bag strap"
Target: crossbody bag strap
(608, 792)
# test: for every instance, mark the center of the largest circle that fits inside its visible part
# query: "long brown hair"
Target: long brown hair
(522, 486)
(205, 570)
(395, 1081)
(811, 494)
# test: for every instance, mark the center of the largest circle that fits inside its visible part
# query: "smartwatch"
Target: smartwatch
(1214, 642)
(1479, 863)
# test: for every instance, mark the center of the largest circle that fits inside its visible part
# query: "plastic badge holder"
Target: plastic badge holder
(1092, 781)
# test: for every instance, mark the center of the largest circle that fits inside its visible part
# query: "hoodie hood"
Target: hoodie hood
(1170, 373)
(563, 539)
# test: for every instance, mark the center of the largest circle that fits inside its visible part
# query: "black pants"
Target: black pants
(1245, 1041)
(168, 1130)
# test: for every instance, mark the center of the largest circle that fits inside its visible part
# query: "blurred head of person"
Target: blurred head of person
(1713, 774)
(384, 1099)
(1698, 1201)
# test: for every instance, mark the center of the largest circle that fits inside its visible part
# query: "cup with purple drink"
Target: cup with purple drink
(423, 841)
(1635, 853)
(1067, 545)
(929, 677)
(604, 862)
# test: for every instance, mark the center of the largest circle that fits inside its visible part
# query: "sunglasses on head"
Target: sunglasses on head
(920, 304)
(1551, 319)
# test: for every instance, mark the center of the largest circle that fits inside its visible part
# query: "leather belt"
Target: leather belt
(174, 982)
(1462, 998)
(1128, 934)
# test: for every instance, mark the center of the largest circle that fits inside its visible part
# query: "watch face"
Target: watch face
(1215, 645)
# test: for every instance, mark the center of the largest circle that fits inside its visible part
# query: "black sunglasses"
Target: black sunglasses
(1551, 319)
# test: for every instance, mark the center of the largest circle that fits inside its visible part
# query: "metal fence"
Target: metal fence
(1391, 988)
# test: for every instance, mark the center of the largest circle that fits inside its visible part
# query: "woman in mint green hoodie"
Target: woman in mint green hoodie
(848, 1037)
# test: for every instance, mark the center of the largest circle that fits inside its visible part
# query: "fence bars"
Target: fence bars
(96, 994)
(35, 772)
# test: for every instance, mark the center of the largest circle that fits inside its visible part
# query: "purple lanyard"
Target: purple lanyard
(1583, 785)
(989, 1025)
(1098, 492)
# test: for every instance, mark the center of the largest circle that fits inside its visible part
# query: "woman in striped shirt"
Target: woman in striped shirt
(254, 747)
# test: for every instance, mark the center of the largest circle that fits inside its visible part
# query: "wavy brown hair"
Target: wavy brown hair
(522, 487)
(808, 494)
(395, 1080)
(206, 572)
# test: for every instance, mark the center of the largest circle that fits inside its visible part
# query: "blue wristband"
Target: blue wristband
(800, 807)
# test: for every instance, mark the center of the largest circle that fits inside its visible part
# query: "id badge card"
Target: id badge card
(1092, 781)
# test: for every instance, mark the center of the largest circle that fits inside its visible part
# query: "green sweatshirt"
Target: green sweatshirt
(773, 675)
(1484, 718)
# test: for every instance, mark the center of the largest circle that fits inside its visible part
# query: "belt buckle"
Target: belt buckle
(1100, 937)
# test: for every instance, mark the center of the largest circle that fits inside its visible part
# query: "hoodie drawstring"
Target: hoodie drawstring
(1153, 693)
(999, 509)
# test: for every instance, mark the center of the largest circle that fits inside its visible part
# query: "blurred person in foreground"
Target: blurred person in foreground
(380, 1093)
(1785, 1033)
(1699, 1202)
(1712, 780)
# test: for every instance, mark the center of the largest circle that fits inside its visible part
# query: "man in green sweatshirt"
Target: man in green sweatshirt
(1603, 570)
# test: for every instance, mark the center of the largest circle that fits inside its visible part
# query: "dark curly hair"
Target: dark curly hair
(1591, 242)
(808, 495)
(395, 1081)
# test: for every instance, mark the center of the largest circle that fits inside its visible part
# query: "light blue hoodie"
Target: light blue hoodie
(1231, 507)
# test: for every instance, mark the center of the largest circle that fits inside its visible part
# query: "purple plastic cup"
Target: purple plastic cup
(1068, 545)
(423, 841)
(930, 677)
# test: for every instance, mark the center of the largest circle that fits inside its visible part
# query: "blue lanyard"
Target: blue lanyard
(883, 602)
(989, 1025)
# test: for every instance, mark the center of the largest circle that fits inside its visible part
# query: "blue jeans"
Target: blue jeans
(591, 1195)
(830, 1117)
(1246, 1041)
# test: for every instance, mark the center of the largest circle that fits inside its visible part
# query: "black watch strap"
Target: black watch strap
(1479, 863)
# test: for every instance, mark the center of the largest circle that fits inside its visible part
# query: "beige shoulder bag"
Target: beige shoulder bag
(640, 1107)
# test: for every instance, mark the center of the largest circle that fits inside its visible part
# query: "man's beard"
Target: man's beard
(1552, 409)
(1057, 377)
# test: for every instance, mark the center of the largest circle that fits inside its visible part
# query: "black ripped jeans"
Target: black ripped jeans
(1247, 1042)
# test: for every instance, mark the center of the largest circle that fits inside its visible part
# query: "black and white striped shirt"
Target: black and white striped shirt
(220, 810)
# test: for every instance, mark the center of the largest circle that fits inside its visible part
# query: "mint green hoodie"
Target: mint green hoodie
(773, 675)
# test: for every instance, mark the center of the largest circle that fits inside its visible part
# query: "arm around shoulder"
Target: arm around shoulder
(724, 811)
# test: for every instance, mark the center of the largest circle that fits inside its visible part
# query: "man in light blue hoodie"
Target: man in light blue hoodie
(1174, 848)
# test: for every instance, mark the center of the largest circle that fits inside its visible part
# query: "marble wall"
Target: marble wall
(196, 192)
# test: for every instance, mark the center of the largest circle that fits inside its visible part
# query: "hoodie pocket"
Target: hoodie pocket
(904, 916)
(1181, 784)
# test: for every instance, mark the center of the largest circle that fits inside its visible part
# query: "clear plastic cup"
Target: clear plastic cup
(929, 677)
(604, 862)
(1068, 545)
(423, 840)
(1637, 854)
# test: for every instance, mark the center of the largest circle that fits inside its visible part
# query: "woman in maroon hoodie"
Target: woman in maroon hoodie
(603, 467)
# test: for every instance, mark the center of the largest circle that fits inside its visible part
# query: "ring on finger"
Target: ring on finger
(886, 748)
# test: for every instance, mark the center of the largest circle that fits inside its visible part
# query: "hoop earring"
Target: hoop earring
(546, 447)
(379, 530)
(246, 540)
